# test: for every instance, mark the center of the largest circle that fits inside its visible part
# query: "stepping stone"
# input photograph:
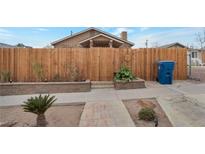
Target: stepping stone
(105, 114)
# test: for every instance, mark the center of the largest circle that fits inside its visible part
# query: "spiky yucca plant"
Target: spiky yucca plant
(39, 105)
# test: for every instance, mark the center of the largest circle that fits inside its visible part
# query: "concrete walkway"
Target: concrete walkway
(96, 95)
(183, 102)
(186, 109)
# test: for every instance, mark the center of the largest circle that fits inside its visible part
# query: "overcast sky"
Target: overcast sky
(42, 36)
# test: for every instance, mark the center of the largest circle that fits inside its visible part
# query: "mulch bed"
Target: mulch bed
(62, 115)
(135, 105)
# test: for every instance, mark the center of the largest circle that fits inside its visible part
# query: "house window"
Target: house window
(194, 54)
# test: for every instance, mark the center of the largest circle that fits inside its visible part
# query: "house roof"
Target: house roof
(4, 45)
(101, 35)
(92, 28)
(173, 44)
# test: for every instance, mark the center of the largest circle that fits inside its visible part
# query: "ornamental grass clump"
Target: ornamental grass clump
(147, 114)
(39, 105)
(124, 74)
(5, 76)
(38, 71)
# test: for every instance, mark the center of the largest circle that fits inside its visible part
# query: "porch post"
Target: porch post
(110, 43)
(91, 43)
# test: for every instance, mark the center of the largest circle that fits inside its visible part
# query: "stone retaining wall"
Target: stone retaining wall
(43, 87)
(134, 84)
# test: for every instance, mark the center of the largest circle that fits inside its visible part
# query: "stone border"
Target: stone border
(22, 88)
(134, 84)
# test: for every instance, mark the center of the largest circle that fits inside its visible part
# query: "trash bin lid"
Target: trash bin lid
(166, 61)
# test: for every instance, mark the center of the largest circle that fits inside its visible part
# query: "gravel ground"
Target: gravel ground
(66, 115)
(134, 106)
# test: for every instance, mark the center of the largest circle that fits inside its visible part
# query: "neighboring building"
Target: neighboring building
(173, 45)
(197, 57)
(194, 54)
(93, 37)
(3, 45)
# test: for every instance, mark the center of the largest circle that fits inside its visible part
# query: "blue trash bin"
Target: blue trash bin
(165, 72)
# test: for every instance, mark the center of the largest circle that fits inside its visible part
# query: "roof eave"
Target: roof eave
(92, 28)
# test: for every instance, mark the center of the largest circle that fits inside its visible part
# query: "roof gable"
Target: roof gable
(92, 28)
(99, 36)
(173, 44)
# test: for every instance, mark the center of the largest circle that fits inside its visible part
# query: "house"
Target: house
(196, 56)
(4, 45)
(173, 45)
(193, 55)
(93, 37)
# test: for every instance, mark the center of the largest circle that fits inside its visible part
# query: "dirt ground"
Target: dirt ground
(134, 106)
(65, 115)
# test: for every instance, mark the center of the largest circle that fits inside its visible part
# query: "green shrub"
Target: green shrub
(124, 74)
(147, 114)
(5, 76)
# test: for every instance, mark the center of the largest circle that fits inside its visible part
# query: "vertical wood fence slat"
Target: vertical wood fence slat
(93, 63)
(203, 56)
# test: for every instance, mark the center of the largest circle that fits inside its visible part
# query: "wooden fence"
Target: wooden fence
(203, 56)
(93, 63)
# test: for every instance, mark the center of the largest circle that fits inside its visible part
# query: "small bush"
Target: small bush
(124, 74)
(147, 114)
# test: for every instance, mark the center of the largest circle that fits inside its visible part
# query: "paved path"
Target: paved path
(198, 72)
(183, 102)
(94, 95)
(186, 109)
(104, 114)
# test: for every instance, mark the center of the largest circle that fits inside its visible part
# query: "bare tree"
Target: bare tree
(200, 37)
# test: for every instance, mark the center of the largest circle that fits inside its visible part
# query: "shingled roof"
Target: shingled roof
(173, 44)
(4, 45)
(92, 28)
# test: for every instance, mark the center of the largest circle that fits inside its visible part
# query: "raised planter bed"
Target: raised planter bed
(21, 88)
(134, 84)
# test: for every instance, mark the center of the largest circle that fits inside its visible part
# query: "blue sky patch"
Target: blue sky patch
(42, 36)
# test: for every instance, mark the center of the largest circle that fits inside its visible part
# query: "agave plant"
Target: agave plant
(39, 105)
